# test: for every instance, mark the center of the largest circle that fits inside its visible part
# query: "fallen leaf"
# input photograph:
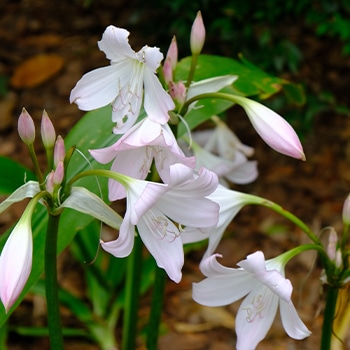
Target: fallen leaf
(36, 70)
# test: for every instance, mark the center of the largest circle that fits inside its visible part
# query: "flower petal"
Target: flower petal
(28, 190)
(96, 89)
(166, 247)
(255, 317)
(291, 321)
(115, 44)
(89, 203)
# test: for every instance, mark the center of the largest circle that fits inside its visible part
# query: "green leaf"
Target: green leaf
(13, 175)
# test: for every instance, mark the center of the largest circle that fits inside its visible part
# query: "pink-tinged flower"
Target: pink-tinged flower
(154, 208)
(272, 128)
(134, 152)
(221, 151)
(230, 203)
(129, 79)
(16, 259)
(26, 127)
(59, 152)
(197, 37)
(170, 61)
(265, 287)
(48, 133)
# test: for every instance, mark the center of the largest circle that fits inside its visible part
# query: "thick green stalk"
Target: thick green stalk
(156, 309)
(53, 312)
(132, 288)
(329, 312)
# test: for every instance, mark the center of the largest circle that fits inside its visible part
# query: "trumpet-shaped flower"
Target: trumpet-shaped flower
(272, 128)
(134, 152)
(265, 287)
(129, 78)
(154, 208)
(230, 203)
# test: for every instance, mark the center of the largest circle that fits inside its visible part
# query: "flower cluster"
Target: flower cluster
(187, 204)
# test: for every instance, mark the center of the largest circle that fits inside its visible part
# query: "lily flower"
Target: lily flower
(123, 84)
(155, 208)
(265, 287)
(134, 152)
(230, 203)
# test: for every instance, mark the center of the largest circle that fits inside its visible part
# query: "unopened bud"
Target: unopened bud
(197, 35)
(346, 211)
(167, 71)
(26, 128)
(59, 151)
(178, 92)
(332, 244)
(49, 182)
(48, 133)
(58, 174)
(172, 53)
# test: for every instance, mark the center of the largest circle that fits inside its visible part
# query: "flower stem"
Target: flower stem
(132, 288)
(53, 312)
(192, 70)
(156, 308)
(37, 170)
(329, 312)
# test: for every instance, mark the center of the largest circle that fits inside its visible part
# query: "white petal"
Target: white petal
(28, 190)
(243, 173)
(210, 85)
(115, 44)
(160, 236)
(122, 246)
(157, 102)
(88, 203)
(255, 317)
(291, 321)
(96, 89)
(151, 56)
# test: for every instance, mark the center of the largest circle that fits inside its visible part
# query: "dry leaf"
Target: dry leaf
(35, 70)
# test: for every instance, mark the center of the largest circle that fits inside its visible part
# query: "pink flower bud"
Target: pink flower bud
(167, 71)
(178, 92)
(49, 182)
(48, 133)
(346, 211)
(197, 35)
(58, 174)
(272, 128)
(59, 152)
(172, 53)
(26, 128)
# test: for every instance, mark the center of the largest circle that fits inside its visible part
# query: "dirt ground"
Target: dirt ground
(313, 190)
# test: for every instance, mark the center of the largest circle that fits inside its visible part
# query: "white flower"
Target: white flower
(265, 287)
(155, 208)
(123, 84)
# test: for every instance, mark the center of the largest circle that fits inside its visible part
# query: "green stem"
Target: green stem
(37, 170)
(192, 70)
(132, 288)
(156, 308)
(329, 312)
(53, 312)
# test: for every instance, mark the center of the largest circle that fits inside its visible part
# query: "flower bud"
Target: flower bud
(48, 134)
(197, 35)
(50, 182)
(272, 128)
(332, 244)
(58, 174)
(346, 211)
(172, 53)
(178, 92)
(167, 71)
(26, 128)
(59, 152)
(16, 260)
